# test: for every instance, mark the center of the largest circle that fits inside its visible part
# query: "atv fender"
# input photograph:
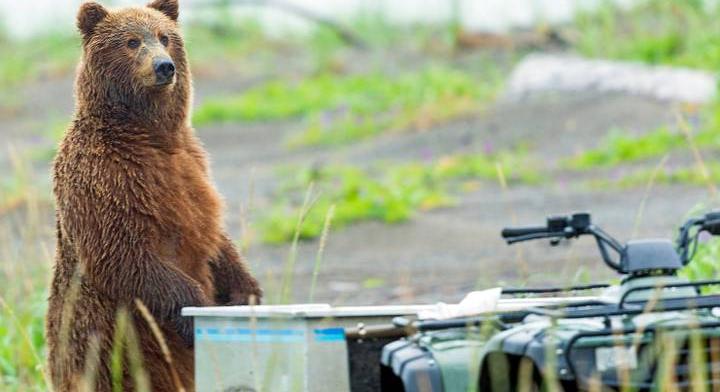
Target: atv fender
(411, 366)
(526, 341)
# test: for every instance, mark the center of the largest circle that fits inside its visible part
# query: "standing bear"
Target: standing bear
(138, 219)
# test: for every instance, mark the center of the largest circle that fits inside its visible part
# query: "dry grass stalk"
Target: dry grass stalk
(704, 171)
(321, 250)
(648, 188)
(160, 338)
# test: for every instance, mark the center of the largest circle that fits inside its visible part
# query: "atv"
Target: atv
(655, 330)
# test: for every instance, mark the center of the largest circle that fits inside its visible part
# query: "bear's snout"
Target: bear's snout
(164, 71)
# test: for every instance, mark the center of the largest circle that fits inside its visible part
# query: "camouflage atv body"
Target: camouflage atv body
(653, 331)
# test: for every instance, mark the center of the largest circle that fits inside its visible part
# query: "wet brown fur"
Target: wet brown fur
(137, 216)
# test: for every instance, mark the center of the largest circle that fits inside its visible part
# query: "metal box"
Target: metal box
(279, 348)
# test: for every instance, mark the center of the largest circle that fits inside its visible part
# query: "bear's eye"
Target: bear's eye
(133, 43)
(164, 40)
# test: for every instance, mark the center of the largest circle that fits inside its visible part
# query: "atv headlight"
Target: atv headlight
(615, 357)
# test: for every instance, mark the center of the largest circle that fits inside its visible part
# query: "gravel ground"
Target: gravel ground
(438, 255)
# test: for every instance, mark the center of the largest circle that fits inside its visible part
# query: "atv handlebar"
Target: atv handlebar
(573, 226)
(556, 226)
(566, 227)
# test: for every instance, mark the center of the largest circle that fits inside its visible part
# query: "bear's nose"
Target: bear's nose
(164, 71)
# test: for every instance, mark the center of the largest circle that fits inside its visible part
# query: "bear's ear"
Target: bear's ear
(167, 7)
(90, 14)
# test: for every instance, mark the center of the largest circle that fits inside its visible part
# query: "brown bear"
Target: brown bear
(137, 215)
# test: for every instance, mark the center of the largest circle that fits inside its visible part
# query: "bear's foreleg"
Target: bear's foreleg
(118, 256)
(234, 285)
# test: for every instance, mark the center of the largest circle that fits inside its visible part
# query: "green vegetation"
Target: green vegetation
(705, 264)
(25, 253)
(22, 343)
(619, 147)
(679, 175)
(46, 55)
(388, 193)
(344, 109)
(677, 32)
(673, 32)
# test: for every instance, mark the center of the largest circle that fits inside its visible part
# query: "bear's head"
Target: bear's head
(134, 59)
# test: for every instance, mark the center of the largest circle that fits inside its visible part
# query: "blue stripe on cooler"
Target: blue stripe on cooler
(329, 335)
(267, 335)
(250, 335)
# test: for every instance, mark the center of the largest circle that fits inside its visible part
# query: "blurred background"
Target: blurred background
(370, 152)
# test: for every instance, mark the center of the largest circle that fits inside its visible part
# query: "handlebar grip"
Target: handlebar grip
(711, 223)
(712, 227)
(511, 232)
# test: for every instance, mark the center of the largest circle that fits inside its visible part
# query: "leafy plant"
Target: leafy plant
(705, 264)
(619, 147)
(343, 109)
(386, 193)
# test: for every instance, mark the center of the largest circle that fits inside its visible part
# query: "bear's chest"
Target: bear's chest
(189, 212)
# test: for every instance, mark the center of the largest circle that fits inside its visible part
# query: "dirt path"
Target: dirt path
(438, 255)
(441, 254)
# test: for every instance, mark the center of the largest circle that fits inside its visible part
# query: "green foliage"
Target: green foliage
(22, 343)
(680, 175)
(387, 193)
(357, 196)
(704, 265)
(343, 109)
(24, 266)
(619, 147)
(677, 32)
(44, 55)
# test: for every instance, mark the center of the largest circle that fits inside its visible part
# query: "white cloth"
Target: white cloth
(476, 302)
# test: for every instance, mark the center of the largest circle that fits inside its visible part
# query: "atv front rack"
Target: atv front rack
(577, 310)
(552, 290)
(697, 285)
(606, 310)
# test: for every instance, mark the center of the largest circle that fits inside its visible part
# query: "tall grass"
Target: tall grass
(25, 258)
